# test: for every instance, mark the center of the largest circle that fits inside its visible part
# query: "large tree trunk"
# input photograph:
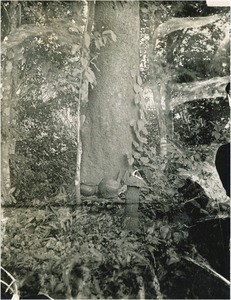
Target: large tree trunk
(106, 133)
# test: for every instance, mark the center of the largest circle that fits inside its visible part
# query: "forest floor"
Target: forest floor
(90, 252)
(87, 251)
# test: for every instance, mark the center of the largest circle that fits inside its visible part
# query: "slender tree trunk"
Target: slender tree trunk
(168, 112)
(6, 107)
(7, 83)
(160, 116)
(157, 80)
(106, 133)
(84, 55)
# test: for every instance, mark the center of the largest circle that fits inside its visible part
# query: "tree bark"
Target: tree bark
(106, 133)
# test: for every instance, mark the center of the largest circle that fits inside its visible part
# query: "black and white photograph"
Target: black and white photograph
(115, 149)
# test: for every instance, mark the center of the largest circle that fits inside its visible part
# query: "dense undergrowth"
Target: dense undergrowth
(52, 245)
(109, 262)
(86, 251)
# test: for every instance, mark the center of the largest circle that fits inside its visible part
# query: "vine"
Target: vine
(138, 126)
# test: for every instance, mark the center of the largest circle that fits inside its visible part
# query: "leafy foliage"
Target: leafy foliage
(202, 122)
(46, 142)
(111, 262)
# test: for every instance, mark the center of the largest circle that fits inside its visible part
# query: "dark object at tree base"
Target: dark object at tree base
(108, 188)
(88, 190)
(211, 238)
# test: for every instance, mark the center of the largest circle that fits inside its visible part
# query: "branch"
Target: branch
(175, 24)
(211, 88)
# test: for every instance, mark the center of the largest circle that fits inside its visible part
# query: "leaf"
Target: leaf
(12, 190)
(133, 73)
(133, 123)
(87, 39)
(107, 32)
(144, 160)
(172, 260)
(173, 257)
(140, 124)
(105, 38)
(84, 61)
(74, 49)
(145, 131)
(155, 241)
(97, 44)
(131, 161)
(9, 66)
(144, 10)
(139, 137)
(135, 144)
(137, 98)
(96, 254)
(59, 287)
(101, 42)
(90, 75)
(136, 88)
(153, 150)
(217, 135)
(143, 140)
(136, 155)
(113, 36)
(82, 120)
(164, 230)
(139, 80)
(17, 193)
